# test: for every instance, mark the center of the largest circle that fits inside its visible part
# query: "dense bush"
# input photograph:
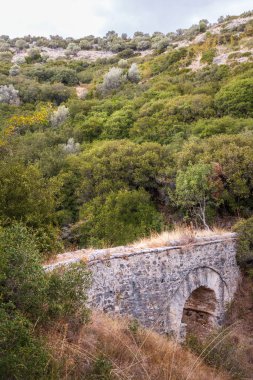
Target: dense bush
(244, 229)
(9, 95)
(112, 80)
(235, 98)
(118, 219)
(29, 297)
(22, 355)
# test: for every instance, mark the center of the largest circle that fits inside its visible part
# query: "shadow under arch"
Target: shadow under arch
(205, 282)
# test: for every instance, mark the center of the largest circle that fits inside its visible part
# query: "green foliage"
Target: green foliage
(226, 125)
(66, 293)
(235, 98)
(112, 165)
(244, 229)
(188, 108)
(232, 156)
(166, 61)
(199, 117)
(101, 370)
(118, 124)
(222, 353)
(66, 76)
(26, 196)
(194, 189)
(23, 281)
(30, 297)
(22, 355)
(120, 218)
(208, 56)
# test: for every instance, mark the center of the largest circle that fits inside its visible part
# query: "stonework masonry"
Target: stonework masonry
(153, 285)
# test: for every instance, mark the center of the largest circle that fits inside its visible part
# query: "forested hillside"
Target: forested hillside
(106, 140)
(102, 152)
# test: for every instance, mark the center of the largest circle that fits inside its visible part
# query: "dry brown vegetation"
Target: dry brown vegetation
(181, 235)
(118, 349)
(241, 316)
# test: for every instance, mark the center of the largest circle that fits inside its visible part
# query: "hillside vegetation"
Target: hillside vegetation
(103, 142)
(100, 153)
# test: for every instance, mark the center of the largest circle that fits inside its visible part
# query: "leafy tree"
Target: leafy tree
(72, 49)
(59, 116)
(9, 95)
(33, 55)
(14, 70)
(112, 80)
(66, 76)
(90, 128)
(133, 73)
(26, 196)
(195, 190)
(188, 108)
(21, 44)
(113, 165)
(233, 154)
(119, 219)
(123, 64)
(22, 355)
(244, 229)
(235, 98)
(118, 124)
(29, 297)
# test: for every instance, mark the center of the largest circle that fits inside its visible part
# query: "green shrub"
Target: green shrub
(22, 355)
(236, 98)
(244, 229)
(25, 284)
(223, 352)
(208, 56)
(118, 219)
(101, 369)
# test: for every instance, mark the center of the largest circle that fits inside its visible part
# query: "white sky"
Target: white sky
(78, 18)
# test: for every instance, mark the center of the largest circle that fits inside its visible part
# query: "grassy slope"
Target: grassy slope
(118, 349)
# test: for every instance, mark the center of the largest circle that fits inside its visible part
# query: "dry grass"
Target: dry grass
(179, 236)
(135, 354)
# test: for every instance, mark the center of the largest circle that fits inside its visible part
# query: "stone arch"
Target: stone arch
(199, 313)
(199, 278)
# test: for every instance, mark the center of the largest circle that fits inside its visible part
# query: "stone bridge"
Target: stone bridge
(170, 289)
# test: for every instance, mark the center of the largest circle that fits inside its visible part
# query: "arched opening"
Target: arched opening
(199, 314)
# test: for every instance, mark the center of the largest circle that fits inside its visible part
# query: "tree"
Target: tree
(26, 196)
(14, 70)
(22, 355)
(112, 80)
(119, 219)
(59, 116)
(113, 165)
(21, 44)
(203, 24)
(236, 98)
(123, 63)
(244, 230)
(29, 297)
(9, 95)
(33, 55)
(65, 76)
(4, 46)
(72, 49)
(194, 189)
(118, 124)
(233, 154)
(133, 73)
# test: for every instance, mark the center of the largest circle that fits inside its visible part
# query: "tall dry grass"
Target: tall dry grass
(132, 352)
(181, 235)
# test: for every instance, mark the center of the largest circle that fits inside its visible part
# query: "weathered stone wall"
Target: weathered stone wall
(153, 285)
